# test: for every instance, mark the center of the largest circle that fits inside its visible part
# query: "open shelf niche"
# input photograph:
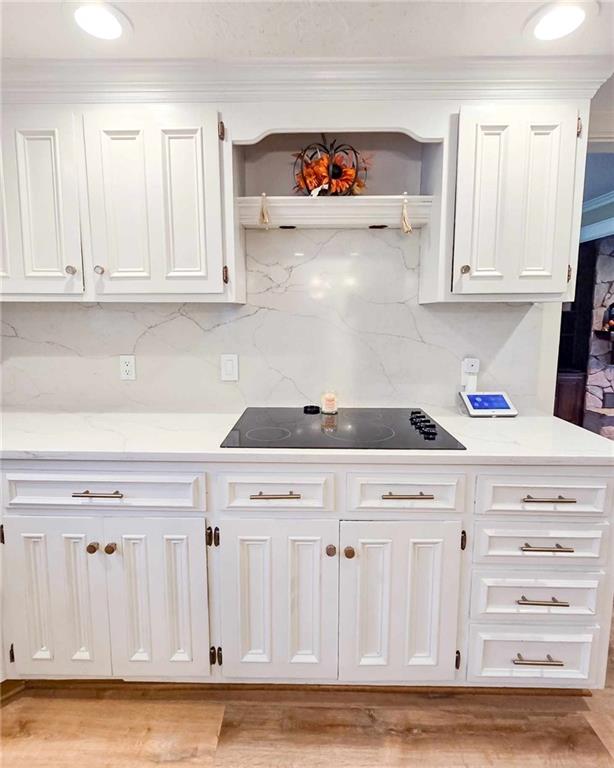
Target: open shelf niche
(402, 171)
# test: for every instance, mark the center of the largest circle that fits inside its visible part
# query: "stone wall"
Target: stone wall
(600, 370)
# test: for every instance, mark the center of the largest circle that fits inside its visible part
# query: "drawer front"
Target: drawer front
(89, 490)
(539, 543)
(538, 654)
(403, 492)
(534, 595)
(278, 491)
(538, 495)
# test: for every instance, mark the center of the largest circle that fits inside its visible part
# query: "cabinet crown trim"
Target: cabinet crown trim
(52, 80)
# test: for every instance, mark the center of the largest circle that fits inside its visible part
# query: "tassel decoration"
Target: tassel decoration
(264, 218)
(405, 224)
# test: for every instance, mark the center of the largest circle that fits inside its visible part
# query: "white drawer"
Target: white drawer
(277, 491)
(103, 490)
(538, 654)
(539, 543)
(405, 491)
(533, 595)
(539, 495)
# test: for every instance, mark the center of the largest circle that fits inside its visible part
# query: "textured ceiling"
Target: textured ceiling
(289, 29)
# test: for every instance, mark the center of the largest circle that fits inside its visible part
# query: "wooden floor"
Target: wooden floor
(121, 727)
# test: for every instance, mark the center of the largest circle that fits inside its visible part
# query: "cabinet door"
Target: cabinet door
(279, 598)
(58, 601)
(154, 186)
(515, 199)
(157, 581)
(398, 600)
(41, 239)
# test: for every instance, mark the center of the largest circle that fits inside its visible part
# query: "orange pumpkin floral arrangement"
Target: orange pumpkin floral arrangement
(329, 169)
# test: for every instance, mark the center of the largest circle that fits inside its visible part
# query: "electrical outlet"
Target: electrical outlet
(229, 367)
(471, 365)
(127, 367)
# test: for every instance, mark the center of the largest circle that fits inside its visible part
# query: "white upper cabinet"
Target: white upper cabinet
(515, 199)
(41, 241)
(154, 190)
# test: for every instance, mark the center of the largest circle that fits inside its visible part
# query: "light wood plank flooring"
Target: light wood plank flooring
(124, 726)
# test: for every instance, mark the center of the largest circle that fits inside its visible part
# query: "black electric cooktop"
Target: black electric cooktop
(386, 428)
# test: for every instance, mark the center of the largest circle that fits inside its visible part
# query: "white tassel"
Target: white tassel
(264, 219)
(405, 225)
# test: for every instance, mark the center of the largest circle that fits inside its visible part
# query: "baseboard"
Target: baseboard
(9, 689)
(100, 687)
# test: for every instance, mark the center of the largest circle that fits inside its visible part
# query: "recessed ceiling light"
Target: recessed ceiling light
(560, 19)
(102, 20)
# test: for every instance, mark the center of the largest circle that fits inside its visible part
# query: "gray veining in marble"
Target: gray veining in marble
(326, 309)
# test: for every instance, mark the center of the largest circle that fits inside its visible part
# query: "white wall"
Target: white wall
(326, 309)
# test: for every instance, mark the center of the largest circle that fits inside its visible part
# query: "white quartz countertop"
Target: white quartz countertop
(197, 437)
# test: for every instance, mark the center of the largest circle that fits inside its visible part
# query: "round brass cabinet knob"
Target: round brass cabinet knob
(349, 552)
(110, 548)
(99, 270)
(92, 547)
(70, 270)
(331, 550)
(465, 269)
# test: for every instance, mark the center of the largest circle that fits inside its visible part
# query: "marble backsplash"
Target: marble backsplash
(326, 309)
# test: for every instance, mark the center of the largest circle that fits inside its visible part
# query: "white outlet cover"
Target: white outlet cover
(229, 367)
(127, 367)
(471, 365)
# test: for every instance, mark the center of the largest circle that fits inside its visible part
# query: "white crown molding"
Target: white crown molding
(136, 80)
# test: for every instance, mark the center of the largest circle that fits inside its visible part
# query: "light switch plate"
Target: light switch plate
(229, 367)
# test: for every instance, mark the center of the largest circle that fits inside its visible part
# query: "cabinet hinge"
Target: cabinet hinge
(221, 130)
(216, 537)
(569, 273)
(463, 539)
(225, 277)
(209, 535)
(1, 534)
(219, 656)
(457, 660)
(212, 655)
(579, 127)
(12, 654)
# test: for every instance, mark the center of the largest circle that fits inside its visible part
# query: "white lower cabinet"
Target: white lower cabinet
(58, 595)
(398, 596)
(157, 584)
(279, 582)
(389, 599)
(96, 596)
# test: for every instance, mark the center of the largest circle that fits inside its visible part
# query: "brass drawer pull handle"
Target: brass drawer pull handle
(92, 547)
(349, 552)
(94, 495)
(528, 499)
(552, 602)
(390, 496)
(556, 548)
(110, 548)
(331, 550)
(274, 496)
(547, 662)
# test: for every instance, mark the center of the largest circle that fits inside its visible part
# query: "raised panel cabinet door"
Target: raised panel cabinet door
(58, 621)
(514, 219)
(279, 581)
(154, 183)
(157, 581)
(39, 205)
(398, 600)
